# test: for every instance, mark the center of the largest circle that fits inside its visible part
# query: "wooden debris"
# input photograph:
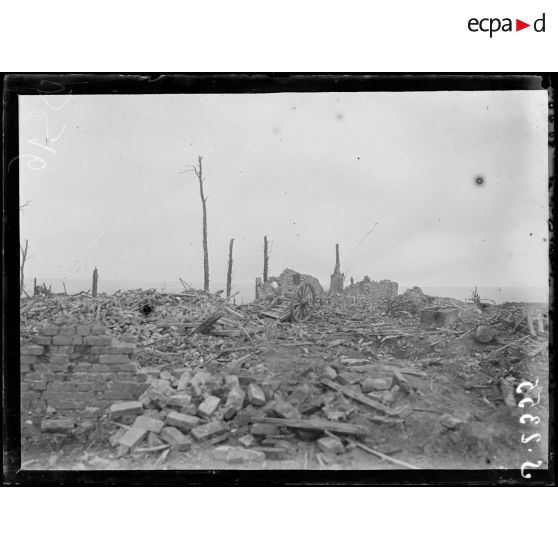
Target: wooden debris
(317, 424)
(161, 459)
(358, 397)
(154, 449)
(234, 312)
(507, 345)
(531, 326)
(208, 323)
(385, 457)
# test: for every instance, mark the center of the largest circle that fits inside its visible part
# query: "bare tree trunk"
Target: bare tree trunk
(266, 260)
(22, 266)
(229, 271)
(199, 174)
(95, 281)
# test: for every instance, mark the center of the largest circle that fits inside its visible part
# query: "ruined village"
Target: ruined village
(350, 375)
(342, 357)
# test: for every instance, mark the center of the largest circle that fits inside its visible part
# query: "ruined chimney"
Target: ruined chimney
(337, 278)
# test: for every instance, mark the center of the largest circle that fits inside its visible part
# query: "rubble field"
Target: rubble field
(360, 385)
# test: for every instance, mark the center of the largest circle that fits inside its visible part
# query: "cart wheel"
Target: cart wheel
(303, 302)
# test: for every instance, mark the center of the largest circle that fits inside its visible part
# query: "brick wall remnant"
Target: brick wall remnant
(375, 290)
(78, 370)
(289, 280)
(286, 284)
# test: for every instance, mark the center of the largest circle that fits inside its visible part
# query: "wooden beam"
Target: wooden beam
(349, 392)
(317, 424)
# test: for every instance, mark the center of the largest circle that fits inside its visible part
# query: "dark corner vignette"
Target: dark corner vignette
(119, 382)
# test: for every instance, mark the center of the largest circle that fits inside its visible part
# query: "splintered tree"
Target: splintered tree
(199, 174)
(229, 270)
(266, 260)
(95, 282)
(23, 249)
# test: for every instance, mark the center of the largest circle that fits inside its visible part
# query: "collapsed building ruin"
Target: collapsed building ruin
(286, 284)
(375, 290)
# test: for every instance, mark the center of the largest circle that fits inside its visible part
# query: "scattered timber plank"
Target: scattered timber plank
(180, 295)
(162, 458)
(531, 326)
(234, 312)
(358, 397)
(385, 457)
(208, 323)
(234, 350)
(153, 449)
(317, 424)
(507, 345)
(540, 323)
(234, 364)
(516, 327)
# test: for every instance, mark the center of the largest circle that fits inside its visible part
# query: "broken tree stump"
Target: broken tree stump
(230, 267)
(95, 281)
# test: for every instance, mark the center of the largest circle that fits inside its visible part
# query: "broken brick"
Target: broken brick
(132, 437)
(237, 456)
(57, 425)
(256, 395)
(330, 445)
(126, 408)
(209, 430)
(374, 384)
(179, 401)
(274, 454)
(262, 429)
(209, 406)
(149, 423)
(329, 372)
(184, 422)
(175, 438)
(247, 440)
(299, 395)
(284, 409)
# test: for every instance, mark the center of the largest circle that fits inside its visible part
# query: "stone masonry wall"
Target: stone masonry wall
(78, 369)
(374, 290)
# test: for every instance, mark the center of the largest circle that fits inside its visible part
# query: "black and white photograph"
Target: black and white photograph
(317, 278)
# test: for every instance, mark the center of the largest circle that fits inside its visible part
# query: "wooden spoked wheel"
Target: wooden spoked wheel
(303, 302)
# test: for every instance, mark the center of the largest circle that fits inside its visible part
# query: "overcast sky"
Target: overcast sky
(390, 176)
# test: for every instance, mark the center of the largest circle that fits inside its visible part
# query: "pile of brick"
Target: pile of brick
(244, 419)
(413, 300)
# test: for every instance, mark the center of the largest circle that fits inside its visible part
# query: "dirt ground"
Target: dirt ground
(455, 414)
